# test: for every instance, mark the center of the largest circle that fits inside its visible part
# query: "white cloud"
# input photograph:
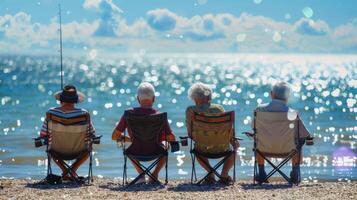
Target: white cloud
(91, 4)
(163, 30)
(101, 5)
(109, 16)
(311, 27)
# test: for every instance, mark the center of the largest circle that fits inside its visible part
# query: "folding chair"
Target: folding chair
(275, 136)
(146, 144)
(211, 131)
(68, 139)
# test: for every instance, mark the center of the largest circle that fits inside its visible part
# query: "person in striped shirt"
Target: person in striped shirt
(68, 97)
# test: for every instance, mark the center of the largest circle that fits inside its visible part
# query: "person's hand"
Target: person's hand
(123, 138)
(235, 143)
(170, 138)
(309, 140)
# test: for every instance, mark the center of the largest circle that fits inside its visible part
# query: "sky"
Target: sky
(188, 26)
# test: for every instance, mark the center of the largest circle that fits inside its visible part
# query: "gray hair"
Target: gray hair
(281, 90)
(146, 91)
(199, 91)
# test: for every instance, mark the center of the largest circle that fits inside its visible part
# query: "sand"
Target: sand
(112, 189)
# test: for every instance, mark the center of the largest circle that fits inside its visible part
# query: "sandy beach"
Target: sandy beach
(112, 189)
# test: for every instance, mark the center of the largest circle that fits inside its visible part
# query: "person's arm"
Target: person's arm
(234, 142)
(118, 134)
(188, 121)
(303, 132)
(91, 128)
(119, 129)
(43, 132)
(170, 137)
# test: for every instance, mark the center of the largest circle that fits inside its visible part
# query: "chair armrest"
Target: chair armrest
(120, 139)
(309, 140)
(175, 146)
(96, 139)
(249, 134)
(184, 140)
(40, 141)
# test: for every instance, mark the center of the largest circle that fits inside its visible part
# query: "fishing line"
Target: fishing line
(60, 34)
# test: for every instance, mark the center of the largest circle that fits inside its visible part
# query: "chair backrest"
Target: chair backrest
(212, 130)
(146, 133)
(68, 133)
(275, 133)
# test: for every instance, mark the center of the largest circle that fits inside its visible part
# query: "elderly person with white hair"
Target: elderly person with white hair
(279, 95)
(146, 99)
(201, 95)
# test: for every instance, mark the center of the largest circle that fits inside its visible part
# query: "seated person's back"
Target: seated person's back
(201, 95)
(279, 103)
(206, 109)
(68, 97)
(146, 99)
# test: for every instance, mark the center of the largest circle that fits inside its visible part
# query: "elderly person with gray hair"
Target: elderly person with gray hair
(146, 99)
(279, 95)
(201, 95)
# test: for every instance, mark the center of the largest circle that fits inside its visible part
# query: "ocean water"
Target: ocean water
(325, 94)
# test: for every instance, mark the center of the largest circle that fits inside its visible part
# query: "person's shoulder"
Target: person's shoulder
(190, 108)
(81, 110)
(131, 109)
(217, 106)
(261, 107)
(53, 110)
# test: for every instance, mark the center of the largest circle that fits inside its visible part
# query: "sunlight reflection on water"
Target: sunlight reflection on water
(324, 93)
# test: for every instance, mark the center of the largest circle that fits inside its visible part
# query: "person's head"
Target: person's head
(200, 93)
(280, 91)
(146, 94)
(69, 96)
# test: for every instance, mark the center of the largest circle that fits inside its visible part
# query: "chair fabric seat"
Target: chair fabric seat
(147, 158)
(275, 134)
(68, 156)
(276, 155)
(211, 155)
(68, 139)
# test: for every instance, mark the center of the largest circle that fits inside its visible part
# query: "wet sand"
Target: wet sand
(112, 189)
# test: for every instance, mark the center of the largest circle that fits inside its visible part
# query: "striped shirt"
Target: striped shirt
(66, 114)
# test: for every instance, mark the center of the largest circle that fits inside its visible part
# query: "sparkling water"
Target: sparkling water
(324, 92)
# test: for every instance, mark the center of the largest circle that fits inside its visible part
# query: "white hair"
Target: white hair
(199, 91)
(281, 90)
(146, 91)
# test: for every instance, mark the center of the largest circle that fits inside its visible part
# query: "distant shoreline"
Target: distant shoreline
(112, 189)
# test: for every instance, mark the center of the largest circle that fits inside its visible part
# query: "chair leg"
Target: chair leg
(299, 160)
(90, 172)
(146, 170)
(234, 166)
(255, 166)
(193, 170)
(214, 169)
(124, 171)
(277, 168)
(166, 169)
(49, 167)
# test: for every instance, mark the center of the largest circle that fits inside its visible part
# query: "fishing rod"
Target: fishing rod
(60, 34)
